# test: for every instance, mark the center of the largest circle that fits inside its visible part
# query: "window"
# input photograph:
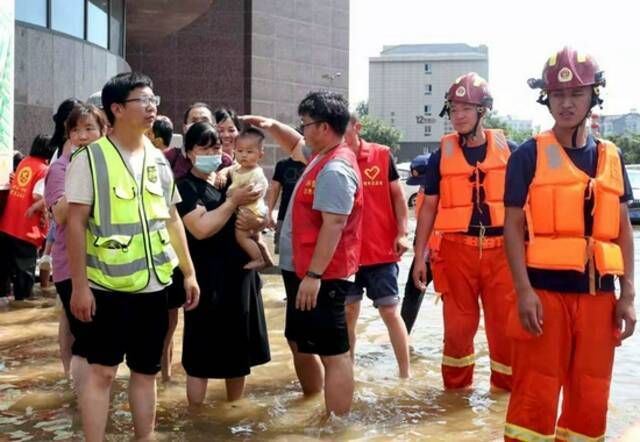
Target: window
(427, 89)
(393, 113)
(427, 68)
(67, 16)
(117, 27)
(32, 11)
(427, 109)
(393, 121)
(427, 130)
(97, 22)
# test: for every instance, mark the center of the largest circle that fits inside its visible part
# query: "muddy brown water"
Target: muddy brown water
(37, 403)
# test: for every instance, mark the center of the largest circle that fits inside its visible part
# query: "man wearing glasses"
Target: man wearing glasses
(124, 240)
(320, 245)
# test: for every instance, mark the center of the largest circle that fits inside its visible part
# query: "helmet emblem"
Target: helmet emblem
(565, 75)
(461, 92)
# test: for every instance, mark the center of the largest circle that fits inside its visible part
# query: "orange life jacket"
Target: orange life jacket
(557, 238)
(459, 180)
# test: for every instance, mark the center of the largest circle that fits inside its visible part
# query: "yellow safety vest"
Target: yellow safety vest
(126, 234)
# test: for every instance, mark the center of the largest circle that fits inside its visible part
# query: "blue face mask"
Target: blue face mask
(208, 163)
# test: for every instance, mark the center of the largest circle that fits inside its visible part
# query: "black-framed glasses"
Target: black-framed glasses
(146, 101)
(301, 126)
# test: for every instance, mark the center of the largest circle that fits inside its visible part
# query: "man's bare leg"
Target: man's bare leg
(338, 389)
(352, 312)
(167, 353)
(196, 390)
(94, 401)
(142, 400)
(398, 336)
(309, 370)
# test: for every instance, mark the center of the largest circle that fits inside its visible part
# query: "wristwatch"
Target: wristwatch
(313, 275)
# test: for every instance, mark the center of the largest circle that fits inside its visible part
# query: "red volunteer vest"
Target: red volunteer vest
(14, 221)
(380, 230)
(307, 222)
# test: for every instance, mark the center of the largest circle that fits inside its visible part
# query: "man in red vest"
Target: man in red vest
(463, 203)
(571, 191)
(320, 245)
(23, 227)
(384, 240)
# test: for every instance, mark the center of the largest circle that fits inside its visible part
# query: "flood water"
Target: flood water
(37, 403)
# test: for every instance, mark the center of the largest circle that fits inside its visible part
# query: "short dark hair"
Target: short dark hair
(163, 128)
(59, 132)
(196, 105)
(201, 133)
(41, 147)
(17, 157)
(252, 132)
(118, 88)
(326, 106)
(223, 113)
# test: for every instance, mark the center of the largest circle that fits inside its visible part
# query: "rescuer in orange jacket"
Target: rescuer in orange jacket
(463, 206)
(564, 318)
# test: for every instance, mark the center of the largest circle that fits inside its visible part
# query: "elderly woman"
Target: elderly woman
(226, 334)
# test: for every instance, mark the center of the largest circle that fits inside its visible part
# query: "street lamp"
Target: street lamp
(331, 77)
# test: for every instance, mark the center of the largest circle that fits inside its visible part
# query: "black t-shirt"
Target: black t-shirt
(473, 155)
(393, 170)
(287, 173)
(520, 171)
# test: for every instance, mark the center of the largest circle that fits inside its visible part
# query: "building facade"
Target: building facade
(63, 49)
(628, 123)
(255, 56)
(407, 85)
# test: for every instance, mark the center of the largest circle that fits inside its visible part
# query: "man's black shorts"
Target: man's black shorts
(131, 324)
(78, 328)
(322, 330)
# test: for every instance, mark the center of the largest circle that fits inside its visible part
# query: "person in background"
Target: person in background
(84, 125)
(24, 222)
(414, 295)
(286, 175)
(229, 126)
(161, 132)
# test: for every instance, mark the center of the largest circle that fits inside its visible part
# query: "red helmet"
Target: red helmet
(567, 69)
(470, 88)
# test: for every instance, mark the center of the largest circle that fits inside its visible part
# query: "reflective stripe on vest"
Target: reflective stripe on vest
(556, 203)
(126, 234)
(460, 180)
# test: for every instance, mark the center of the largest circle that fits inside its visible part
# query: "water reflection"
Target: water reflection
(36, 402)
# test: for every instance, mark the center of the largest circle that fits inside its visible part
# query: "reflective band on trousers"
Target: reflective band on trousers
(572, 436)
(459, 362)
(520, 433)
(500, 368)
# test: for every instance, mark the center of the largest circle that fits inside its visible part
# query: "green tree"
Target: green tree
(493, 121)
(374, 130)
(362, 109)
(629, 144)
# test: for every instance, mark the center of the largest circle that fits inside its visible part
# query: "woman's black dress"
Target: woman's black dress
(226, 334)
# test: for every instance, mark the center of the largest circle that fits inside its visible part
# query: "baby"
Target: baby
(249, 149)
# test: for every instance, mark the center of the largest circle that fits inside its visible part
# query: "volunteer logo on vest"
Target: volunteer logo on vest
(152, 173)
(372, 173)
(309, 187)
(25, 176)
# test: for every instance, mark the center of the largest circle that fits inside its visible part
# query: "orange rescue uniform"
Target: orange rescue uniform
(575, 351)
(467, 267)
